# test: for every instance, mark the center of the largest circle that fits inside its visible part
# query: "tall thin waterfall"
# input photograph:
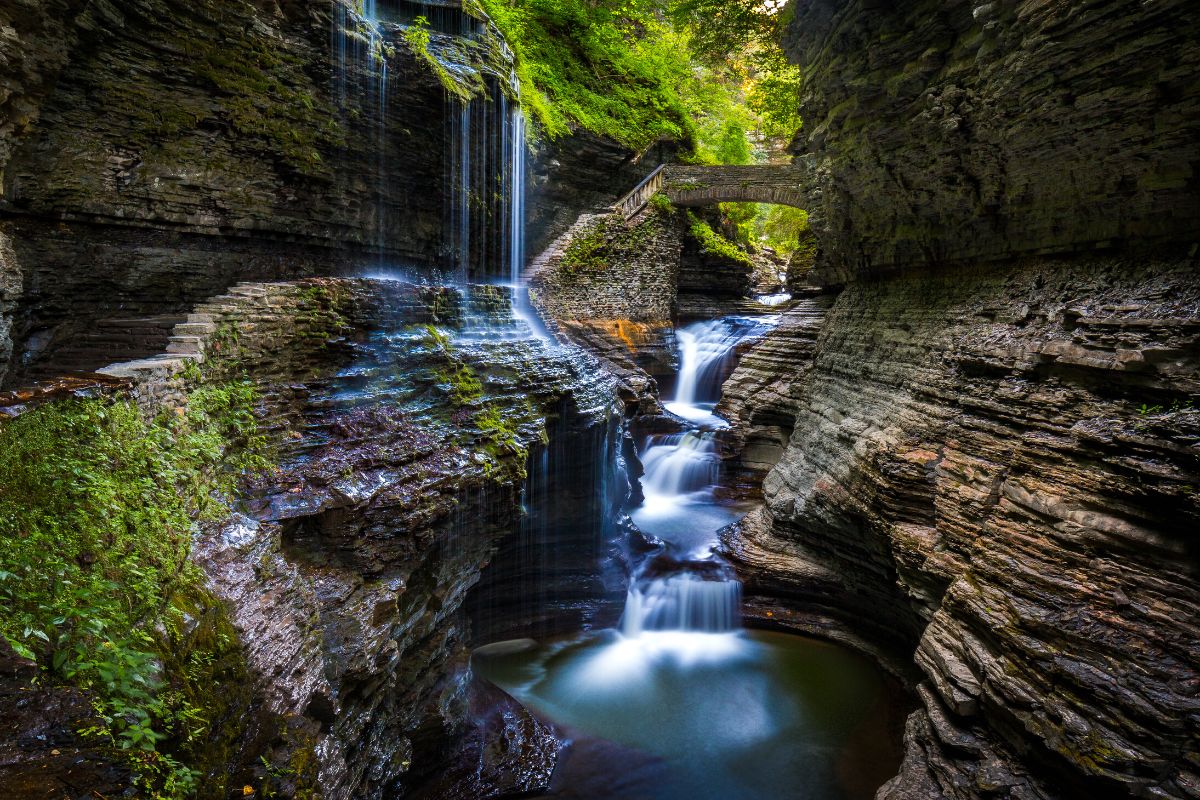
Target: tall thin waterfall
(517, 148)
(458, 161)
(486, 163)
(360, 75)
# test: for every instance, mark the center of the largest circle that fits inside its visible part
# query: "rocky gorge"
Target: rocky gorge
(964, 445)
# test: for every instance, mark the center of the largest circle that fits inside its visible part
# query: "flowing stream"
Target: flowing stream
(679, 701)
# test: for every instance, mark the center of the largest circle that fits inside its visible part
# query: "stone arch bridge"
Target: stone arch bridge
(698, 185)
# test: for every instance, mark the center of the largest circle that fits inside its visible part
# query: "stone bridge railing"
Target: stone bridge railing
(696, 185)
(629, 205)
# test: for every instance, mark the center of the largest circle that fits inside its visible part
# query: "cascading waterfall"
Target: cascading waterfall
(679, 464)
(683, 602)
(681, 471)
(707, 351)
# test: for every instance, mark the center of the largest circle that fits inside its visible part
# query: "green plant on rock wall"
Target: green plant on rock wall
(713, 243)
(97, 516)
(585, 252)
(501, 441)
(465, 387)
(661, 203)
(501, 444)
(417, 36)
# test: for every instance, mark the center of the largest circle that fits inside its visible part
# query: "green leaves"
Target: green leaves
(612, 68)
(96, 513)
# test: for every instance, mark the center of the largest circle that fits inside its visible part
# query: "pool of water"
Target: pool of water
(675, 715)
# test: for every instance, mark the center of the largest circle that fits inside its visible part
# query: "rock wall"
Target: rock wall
(966, 131)
(153, 152)
(763, 394)
(350, 572)
(997, 466)
(611, 284)
(348, 582)
(157, 151)
(989, 477)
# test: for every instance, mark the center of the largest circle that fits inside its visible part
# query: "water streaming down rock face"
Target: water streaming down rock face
(683, 602)
(358, 50)
(485, 186)
(681, 471)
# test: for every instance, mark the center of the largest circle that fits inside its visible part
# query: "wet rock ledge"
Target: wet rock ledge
(405, 430)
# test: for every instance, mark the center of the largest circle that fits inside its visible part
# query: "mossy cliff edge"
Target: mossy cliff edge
(326, 416)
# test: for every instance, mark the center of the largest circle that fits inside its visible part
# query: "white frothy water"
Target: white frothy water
(681, 473)
(679, 464)
(706, 353)
(683, 602)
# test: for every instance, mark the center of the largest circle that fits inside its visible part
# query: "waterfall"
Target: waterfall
(693, 592)
(707, 351)
(360, 72)
(679, 464)
(683, 602)
(516, 195)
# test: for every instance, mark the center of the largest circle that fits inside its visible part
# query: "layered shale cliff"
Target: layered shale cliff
(991, 472)
(977, 130)
(423, 498)
(153, 152)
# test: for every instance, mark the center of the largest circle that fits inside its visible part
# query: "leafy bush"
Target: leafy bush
(783, 228)
(640, 70)
(96, 517)
(713, 243)
(617, 69)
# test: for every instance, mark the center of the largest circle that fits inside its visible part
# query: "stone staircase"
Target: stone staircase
(554, 252)
(109, 341)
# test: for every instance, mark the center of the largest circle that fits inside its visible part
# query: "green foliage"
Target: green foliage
(713, 243)
(501, 441)
(615, 68)
(744, 217)
(721, 28)
(585, 253)
(737, 41)
(661, 203)
(96, 515)
(707, 72)
(417, 37)
(774, 95)
(783, 228)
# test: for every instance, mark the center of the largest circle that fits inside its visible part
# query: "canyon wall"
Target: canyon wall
(154, 152)
(990, 477)
(390, 535)
(966, 130)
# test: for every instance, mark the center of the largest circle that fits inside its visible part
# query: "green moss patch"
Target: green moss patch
(712, 243)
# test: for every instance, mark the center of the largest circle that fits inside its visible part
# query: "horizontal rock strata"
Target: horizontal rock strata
(959, 131)
(998, 467)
